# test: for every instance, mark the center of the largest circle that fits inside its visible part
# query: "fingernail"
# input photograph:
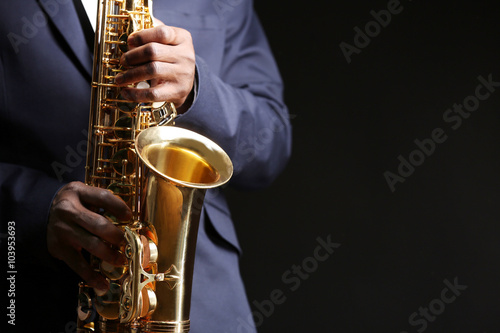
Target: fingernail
(102, 287)
(100, 292)
(123, 61)
(131, 40)
(127, 213)
(118, 78)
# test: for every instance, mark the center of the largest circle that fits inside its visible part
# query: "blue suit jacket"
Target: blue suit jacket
(45, 73)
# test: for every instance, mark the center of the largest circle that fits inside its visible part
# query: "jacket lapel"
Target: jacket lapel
(65, 19)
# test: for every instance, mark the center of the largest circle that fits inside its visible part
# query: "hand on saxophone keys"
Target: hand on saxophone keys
(74, 226)
(165, 57)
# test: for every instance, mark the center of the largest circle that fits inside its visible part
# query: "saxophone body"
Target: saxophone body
(162, 172)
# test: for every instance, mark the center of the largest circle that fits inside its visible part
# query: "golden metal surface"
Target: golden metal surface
(179, 165)
(161, 172)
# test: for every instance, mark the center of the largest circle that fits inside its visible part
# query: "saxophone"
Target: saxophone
(162, 172)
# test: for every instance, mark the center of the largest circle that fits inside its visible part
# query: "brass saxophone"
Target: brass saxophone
(161, 172)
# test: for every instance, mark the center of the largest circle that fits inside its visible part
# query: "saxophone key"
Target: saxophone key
(124, 161)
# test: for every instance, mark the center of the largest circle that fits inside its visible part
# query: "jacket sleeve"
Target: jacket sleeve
(242, 109)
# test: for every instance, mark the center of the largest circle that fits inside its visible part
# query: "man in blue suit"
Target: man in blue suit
(212, 60)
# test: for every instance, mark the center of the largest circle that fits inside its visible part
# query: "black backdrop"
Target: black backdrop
(330, 247)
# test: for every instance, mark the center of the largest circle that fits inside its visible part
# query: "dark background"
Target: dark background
(398, 251)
